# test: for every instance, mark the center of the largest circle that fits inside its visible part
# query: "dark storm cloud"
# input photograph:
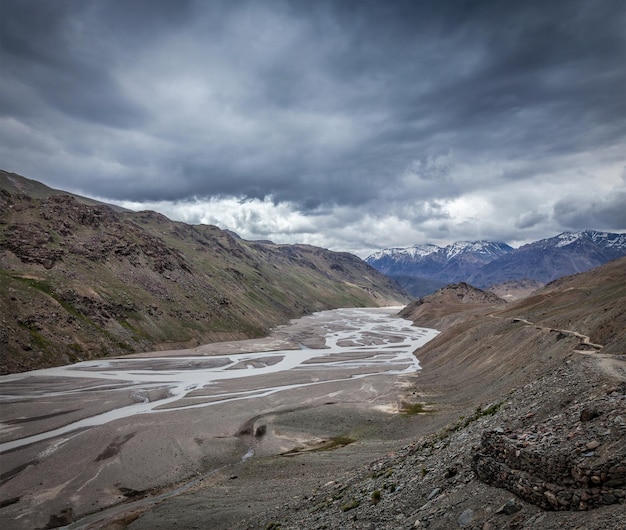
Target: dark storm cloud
(606, 213)
(540, 79)
(46, 53)
(399, 105)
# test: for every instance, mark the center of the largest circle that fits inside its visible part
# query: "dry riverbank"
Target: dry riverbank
(131, 431)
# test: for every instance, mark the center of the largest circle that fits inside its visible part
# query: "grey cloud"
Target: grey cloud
(605, 213)
(52, 50)
(530, 219)
(365, 104)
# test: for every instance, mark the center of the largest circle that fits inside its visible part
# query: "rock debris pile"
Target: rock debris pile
(576, 460)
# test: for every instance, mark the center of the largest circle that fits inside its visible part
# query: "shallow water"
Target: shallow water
(358, 343)
(82, 436)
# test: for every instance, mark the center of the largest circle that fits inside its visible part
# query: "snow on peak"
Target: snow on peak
(422, 250)
(416, 251)
(603, 239)
(383, 253)
(607, 239)
(487, 248)
(477, 247)
(567, 238)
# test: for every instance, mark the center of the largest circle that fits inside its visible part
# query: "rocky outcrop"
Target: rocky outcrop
(32, 244)
(65, 212)
(559, 466)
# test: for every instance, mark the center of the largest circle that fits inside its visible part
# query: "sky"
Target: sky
(350, 125)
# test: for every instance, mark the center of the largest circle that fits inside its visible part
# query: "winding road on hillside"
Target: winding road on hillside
(611, 365)
(585, 339)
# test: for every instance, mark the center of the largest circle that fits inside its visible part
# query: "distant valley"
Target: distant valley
(516, 419)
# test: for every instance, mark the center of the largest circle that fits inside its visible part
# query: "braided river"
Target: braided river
(83, 436)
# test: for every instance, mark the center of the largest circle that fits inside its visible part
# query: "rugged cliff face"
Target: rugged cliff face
(80, 280)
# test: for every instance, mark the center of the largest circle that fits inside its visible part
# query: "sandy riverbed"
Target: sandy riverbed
(245, 453)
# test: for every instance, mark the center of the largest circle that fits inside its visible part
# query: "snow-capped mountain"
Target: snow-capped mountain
(416, 251)
(421, 268)
(548, 259)
(439, 263)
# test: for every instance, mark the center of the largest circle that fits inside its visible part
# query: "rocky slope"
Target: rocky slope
(484, 263)
(515, 289)
(79, 279)
(513, 464)
(451, 303)
(536, 395)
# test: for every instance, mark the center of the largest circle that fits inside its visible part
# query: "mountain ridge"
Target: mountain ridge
(80, 280)
(447, 252)
(20, 185)
(485, 263)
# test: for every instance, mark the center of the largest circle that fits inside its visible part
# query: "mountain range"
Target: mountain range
(422, 269)
(80, 279)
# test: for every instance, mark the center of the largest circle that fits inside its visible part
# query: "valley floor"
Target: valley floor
(464, 443)
(562, 412)
(125, 432)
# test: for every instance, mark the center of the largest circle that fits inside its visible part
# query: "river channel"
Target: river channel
(90, 435)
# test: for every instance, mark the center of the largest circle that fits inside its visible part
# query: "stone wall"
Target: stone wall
(554, 469)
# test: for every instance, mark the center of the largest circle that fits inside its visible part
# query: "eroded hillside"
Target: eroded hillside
(80, 280)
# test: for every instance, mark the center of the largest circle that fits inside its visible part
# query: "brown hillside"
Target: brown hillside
(80, 280)
(591, 303)
(492, 349)
(450, 303)
(537, 423)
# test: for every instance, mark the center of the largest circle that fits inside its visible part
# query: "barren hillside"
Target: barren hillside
(80, 280)
(537, 424)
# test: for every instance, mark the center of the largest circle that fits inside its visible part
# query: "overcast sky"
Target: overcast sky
(352, 125)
